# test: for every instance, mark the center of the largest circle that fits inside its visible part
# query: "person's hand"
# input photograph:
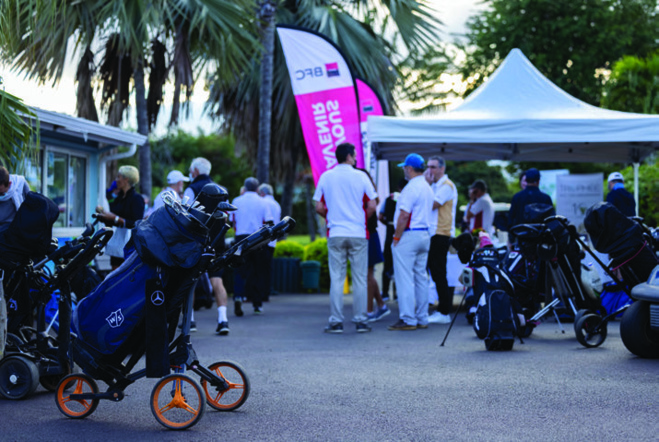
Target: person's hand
(107, 218)
(427, 174)
(100, 209)
(395, 241)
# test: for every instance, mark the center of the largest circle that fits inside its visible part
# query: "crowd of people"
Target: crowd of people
(420, 220)
(255, 205)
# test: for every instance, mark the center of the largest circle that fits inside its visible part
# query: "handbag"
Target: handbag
(116, 244)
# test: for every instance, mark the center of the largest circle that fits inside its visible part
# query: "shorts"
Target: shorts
(216, 274)
(375, 255)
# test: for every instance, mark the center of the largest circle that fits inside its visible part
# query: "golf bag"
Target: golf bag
(139, 302)
(496, 320)
(624, 240)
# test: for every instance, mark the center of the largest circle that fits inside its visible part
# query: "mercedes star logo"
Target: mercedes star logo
(157, 298)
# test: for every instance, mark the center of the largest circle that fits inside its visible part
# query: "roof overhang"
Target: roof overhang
(92, 134)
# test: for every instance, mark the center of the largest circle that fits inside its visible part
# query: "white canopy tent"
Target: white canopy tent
(519, 115)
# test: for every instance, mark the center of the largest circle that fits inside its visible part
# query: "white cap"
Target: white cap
(616, 176)
(175, 176)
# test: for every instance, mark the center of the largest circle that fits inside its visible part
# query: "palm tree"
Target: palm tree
(134, 32)
(410, 27)
(266, 15)
(16, 142)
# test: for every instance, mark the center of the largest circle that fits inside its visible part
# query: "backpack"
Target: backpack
(496, 320)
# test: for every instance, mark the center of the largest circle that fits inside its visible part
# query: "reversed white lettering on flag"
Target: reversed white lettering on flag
(329, 127)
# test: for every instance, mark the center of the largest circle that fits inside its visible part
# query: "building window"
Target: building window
(65, 179)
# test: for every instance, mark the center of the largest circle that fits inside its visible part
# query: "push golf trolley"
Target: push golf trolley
(631, 245)
(33, 354)
(135, 312)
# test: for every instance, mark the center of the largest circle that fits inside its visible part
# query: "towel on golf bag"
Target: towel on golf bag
(108, 315)
(496, 320)
(613, 297)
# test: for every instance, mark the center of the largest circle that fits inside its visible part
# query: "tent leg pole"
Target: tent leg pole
(636, 168)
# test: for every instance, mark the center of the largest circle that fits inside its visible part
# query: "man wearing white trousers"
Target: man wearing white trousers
(346, 197)
(410, 246)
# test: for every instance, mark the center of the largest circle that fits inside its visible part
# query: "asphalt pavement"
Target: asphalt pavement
(382, 386)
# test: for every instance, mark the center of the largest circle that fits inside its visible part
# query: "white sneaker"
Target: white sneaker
(438, 318)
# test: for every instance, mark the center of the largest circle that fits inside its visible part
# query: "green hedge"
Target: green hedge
(317, 251)
(288, 249)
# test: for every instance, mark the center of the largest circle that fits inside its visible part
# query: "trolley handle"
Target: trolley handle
(253, 242)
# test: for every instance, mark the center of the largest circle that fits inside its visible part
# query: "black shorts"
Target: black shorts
(216, 274)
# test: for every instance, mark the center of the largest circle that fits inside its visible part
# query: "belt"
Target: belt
(417, 228)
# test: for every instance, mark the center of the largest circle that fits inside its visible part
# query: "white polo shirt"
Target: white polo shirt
(416, 199)
(443, 218)
(483, 208)
(252, 212)
(275, 211)
(345, 190)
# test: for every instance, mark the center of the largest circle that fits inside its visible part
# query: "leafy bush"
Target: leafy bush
(317, 251)
(289, 249)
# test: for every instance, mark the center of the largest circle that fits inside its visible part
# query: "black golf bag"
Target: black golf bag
(625, 241)
(494, 313)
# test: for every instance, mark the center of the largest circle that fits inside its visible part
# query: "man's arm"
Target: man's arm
(370, 207)
(321, 209)
(403, 218)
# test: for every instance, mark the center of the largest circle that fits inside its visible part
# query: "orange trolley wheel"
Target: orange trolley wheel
(77, 383)
(236, 395)
(177, 401)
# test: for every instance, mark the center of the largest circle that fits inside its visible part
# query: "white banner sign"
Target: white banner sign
(577, 193)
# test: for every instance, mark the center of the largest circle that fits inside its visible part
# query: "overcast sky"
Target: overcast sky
(61, 97)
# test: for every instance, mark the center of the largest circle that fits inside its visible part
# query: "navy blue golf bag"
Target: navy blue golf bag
(111, 321)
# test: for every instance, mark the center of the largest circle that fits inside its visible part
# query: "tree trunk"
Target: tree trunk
(176, 102)
(143, 128)
(267, 15)
(289, 184)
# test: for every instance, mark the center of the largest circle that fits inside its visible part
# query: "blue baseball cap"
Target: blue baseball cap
(415, 160)
(532, 175)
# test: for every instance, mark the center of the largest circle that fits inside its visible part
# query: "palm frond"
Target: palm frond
(115, 72)
(85, 103)
(18, 141)
(158, 72)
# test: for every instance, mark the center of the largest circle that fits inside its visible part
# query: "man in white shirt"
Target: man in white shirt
(480, 211)
(252, 212)
(266, 192)
(443, 228)
(340, 196)
(200, 170)
(175, 180)
(410, 246)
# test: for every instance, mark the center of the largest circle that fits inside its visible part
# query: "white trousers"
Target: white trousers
(411, 275)
(340, 250)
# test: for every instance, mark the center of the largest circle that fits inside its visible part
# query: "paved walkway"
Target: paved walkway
(383, 385)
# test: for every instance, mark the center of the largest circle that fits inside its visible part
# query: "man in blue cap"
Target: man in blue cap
(530, 195)
(410, 246)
